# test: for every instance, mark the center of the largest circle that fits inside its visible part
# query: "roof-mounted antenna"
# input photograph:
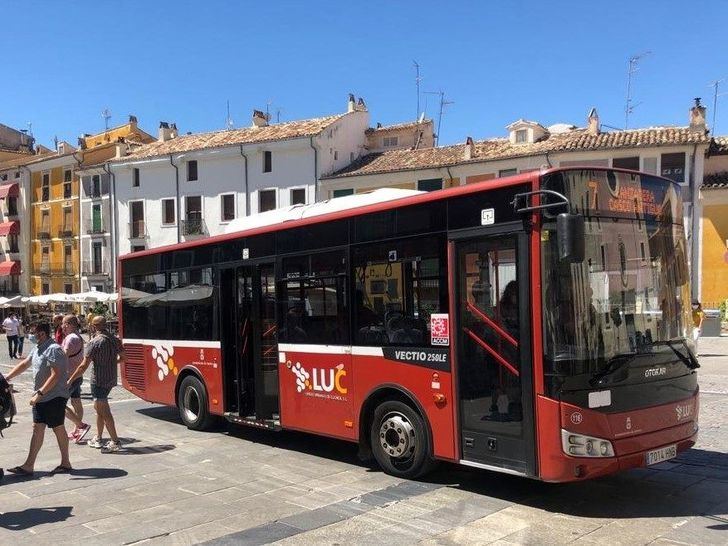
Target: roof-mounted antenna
(632, 68)
(229, 126)
(443, 104)
(715, 84)
(417, 83)
(106, 114)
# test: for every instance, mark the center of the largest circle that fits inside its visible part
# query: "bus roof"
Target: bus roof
(353, 205)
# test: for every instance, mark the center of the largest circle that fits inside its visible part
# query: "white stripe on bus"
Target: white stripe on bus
(330, 349)
(174, 343)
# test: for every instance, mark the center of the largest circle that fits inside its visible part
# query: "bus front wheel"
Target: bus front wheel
(399, 440)
(193, 405)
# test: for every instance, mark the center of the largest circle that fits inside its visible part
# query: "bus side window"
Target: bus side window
(398, 286)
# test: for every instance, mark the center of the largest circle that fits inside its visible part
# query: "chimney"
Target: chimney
(167, 131)
(351, 106)
(592, 122)
(360, 106)
(132, 120)
(259, 119)
(82, 142)
(469, 152)
(379, 125)
(697, 117)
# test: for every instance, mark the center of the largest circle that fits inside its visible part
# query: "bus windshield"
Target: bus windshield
(630, 295)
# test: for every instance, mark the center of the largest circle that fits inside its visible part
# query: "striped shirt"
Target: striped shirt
(103, 351)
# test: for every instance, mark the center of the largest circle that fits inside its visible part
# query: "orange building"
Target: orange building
(714, 223)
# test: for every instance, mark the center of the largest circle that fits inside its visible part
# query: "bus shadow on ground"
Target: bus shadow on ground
(637, 493)
(30, 517)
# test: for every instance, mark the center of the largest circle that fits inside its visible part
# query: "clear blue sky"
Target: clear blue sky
(64, 62)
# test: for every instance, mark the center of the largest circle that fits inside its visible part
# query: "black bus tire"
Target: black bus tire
(193, 404)
(399, 440)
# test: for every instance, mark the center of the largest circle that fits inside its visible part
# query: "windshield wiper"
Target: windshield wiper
(690, 361)
(614, 364)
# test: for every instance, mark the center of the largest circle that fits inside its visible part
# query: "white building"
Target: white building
(181, 188)
(674, 152)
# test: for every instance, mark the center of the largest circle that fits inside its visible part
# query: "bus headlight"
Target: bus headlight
(578, 445)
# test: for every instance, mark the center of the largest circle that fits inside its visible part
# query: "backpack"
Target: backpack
(7, 404)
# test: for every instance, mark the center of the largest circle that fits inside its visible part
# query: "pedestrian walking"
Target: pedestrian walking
(10, 325)
(50, 375)
(698, 317)
(73, 347)
(57, 329)
(21, 338)
(105, 352)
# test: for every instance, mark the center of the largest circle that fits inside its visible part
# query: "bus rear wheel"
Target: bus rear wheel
(193, 404)
(399, 440)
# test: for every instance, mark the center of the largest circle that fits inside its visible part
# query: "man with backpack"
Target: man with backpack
(50, 376)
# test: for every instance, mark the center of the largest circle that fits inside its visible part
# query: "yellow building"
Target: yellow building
(54, 228)
(714, 247)
(56, 206)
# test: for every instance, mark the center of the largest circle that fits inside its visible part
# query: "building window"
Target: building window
(68, 288)
(193, 224)
(45, 289)
(390, 141)
(67, 175)
(298, 196)
(45, 259)
(96, 253)
(168, 211)
(97, 225)
(507, 172)
(96, 186)
(343, 193)
(136, 220)
(13, 243)
(135, 180)
(67, 221)
(522, 135)
(45, 224)
(46, 187)
(17, 174)
(266, 200)
(227, 205)
(673, 167)
(631, 163)
(138, 248)
(67, 260)
(191, 170)
(267, 161)
(430, 184)
(336, 155)
(3, 177)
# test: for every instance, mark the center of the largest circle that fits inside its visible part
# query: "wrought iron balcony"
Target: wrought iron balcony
(194, 226)
(58, 269)
(44, 233)
(66, 232)
(95, 227)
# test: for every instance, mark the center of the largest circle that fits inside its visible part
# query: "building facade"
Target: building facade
(54, 232)
(674, 152)
(714, 226)
(14, 227)
(182, 188)
(97, 251)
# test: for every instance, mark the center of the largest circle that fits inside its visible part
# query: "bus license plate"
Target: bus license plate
(662, 454)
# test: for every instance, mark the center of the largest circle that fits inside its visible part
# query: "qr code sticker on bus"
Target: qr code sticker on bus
(440, 329)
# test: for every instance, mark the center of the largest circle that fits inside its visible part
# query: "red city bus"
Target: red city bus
(536, 325)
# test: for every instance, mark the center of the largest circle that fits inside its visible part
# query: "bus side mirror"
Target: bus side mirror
(570, 236)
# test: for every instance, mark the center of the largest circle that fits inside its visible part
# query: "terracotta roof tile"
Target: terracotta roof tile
(501, 148)
(398, 126)
(719, 145)
(715, 181)
(24, 160)
(218, 139)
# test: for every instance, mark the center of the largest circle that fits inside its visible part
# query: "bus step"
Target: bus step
(272, 424)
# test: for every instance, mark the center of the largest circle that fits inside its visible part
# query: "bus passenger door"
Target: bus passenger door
(493, 352)
(265, 342)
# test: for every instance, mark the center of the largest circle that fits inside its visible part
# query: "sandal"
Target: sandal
(20, 471)
(60, 469)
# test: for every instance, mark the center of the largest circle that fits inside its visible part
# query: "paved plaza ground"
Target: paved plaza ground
(171, 485)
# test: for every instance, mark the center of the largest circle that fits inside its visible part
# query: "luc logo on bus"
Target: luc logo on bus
(322, 380)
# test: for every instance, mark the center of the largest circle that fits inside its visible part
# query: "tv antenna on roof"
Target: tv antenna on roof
(715, 84)
(228, 120)
(106, 114)
(30, 128)
(443, 104)
(418, 79)
(632, 68)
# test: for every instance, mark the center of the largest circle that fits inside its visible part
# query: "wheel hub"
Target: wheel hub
(191, 404)
(396, 436)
